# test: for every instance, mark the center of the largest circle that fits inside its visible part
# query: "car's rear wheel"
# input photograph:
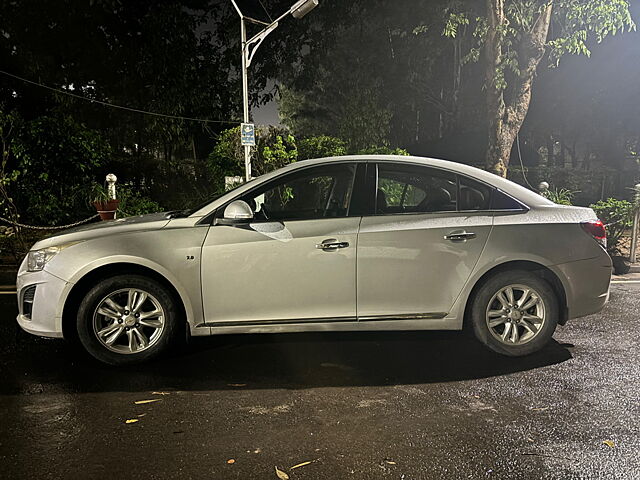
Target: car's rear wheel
(127, 319)
(514, 313)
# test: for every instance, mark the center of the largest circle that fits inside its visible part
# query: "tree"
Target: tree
(516, 38)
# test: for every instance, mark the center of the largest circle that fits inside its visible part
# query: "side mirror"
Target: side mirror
(236, 212)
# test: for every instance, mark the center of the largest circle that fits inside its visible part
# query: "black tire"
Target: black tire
(85, 319)
(482, 302)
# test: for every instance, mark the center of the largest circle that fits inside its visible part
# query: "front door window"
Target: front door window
(313, 193)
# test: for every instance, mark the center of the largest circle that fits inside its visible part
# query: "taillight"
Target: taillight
(596, 229)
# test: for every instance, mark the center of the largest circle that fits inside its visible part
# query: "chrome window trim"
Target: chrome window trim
(493, 188)
(210, 217)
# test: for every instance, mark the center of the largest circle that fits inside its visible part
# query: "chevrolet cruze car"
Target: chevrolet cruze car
(334, 244)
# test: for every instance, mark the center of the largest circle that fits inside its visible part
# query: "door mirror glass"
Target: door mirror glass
(238, 211)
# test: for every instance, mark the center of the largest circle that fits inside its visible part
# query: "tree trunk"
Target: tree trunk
(505, 117)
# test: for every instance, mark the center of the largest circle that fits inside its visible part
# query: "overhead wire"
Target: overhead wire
(265, 10)
(524, 175)
(114, 105)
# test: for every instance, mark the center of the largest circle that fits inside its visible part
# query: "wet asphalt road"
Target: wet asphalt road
(360, 405)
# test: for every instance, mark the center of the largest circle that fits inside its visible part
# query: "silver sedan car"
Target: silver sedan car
(335, 244)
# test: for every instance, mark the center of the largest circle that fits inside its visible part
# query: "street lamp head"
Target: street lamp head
(303, 7)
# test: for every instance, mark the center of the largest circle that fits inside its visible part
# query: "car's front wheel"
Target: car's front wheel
(514, 313)
(127, 319)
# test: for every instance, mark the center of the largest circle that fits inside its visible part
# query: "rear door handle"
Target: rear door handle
(460, 236)
(331, 244)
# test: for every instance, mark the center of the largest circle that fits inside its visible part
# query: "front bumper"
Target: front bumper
(586, 284)
(45, 318)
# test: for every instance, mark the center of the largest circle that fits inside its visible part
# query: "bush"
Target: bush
(47, 164)
(276, 154)
(321, 146)
(133, 203)
(382, 150)
(226, 158)
(617, 217)
(561, 196)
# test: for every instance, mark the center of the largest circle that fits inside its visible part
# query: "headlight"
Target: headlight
(37, 259)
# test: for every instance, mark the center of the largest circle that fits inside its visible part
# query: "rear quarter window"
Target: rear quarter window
(502, 201)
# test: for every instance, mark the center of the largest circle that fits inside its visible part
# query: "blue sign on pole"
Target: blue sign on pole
(248, 134)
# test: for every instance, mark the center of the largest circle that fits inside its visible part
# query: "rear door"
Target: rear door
(421, 243)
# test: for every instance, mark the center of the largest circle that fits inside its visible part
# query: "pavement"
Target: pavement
(632, 276)
(403, 405)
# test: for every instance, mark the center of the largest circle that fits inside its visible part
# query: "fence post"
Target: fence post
(543, 187)
(111, 186)
(636, 224)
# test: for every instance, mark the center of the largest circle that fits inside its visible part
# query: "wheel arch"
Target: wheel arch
(537, 269)
(90, 278)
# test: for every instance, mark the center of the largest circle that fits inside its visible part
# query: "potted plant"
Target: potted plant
(105, 206)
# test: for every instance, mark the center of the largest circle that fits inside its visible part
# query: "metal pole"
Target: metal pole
(636, 225)
(245, 97)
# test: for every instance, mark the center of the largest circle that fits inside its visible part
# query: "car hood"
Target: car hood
(153, 221)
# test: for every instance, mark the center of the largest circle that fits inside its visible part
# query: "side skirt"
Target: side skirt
(436, 321)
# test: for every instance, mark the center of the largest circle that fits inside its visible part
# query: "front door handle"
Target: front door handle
(331, 244)
(460, 236)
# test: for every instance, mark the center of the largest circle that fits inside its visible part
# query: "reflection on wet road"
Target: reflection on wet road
(357, 405)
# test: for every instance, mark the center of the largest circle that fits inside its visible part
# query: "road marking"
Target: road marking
(625, 281)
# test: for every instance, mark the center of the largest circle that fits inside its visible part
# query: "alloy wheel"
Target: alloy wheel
(128, 321)
(516, 314)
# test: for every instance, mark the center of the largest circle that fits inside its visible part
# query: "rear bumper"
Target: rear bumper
(586, 284)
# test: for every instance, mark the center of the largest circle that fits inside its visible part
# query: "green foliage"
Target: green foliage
(49, 163)
(580, 20)
(280, 153)
(561, 196)
(617, 215)
(587, 185)
(453, 22)
(321, 146)
(382, 150)
(275, 148)
(98, 193)
(226, 159)
(133, 202)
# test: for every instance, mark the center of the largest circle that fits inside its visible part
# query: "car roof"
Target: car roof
(526, 196)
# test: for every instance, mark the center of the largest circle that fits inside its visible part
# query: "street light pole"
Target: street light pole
(245, 97)
(249, 48)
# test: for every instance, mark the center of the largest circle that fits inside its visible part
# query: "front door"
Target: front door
(295, 261)
(419, 248)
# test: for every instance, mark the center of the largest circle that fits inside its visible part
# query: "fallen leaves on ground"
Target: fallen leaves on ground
(142, 402)
(609, 443)
(539, 409)
(281, 475)
(390, 462)
(132, 420)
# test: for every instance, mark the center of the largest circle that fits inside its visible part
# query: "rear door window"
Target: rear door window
(405, 188)
(473, 195)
